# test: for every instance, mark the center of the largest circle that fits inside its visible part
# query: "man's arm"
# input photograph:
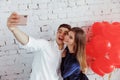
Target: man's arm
(19, 35)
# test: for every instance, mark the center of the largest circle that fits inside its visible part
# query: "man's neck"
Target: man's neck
(60, 46)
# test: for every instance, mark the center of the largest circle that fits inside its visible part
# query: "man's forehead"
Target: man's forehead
(63, 29)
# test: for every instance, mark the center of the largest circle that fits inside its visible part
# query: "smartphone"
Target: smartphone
(23, 20)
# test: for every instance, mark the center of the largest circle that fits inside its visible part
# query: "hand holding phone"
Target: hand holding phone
(22, 20)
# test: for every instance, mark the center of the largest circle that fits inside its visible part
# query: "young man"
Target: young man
(47, 57)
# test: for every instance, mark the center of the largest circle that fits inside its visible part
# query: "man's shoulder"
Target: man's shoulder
(52, 43)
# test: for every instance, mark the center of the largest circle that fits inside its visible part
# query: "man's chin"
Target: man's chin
(60, 42)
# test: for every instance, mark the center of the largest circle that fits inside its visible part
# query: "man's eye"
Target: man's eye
(65, 33)
(59, 32)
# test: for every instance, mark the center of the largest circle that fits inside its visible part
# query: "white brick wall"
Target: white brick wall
(46, 16)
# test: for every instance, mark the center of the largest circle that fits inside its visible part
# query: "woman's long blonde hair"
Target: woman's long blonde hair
(79, 48)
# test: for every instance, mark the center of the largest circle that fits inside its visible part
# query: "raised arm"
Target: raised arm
(12, 26)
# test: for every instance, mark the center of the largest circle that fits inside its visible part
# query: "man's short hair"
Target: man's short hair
(65, 26)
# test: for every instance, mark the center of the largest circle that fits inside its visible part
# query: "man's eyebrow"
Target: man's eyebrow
(59, 29)
(66, 31)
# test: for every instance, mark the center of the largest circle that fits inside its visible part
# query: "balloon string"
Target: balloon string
(109, 76)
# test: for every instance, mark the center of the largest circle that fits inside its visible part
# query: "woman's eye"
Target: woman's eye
(70, 37)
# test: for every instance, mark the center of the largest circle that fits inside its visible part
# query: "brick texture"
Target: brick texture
(44, 16)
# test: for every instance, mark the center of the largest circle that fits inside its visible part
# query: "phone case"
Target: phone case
(23, 20)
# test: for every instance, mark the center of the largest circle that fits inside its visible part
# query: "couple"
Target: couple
(47, 60)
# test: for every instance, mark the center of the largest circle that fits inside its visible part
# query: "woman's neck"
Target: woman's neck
(71, 50)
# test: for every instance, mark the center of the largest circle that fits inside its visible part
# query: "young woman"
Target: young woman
(74, 63)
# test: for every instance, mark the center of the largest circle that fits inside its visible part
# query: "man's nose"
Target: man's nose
(62, 34)
(66, 37)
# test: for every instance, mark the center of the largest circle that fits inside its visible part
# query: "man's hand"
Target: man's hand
(12, 21)
(19, 35)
